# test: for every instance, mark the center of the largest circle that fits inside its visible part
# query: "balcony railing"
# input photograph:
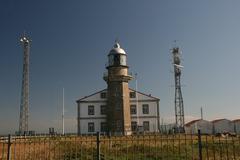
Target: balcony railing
(105, 74)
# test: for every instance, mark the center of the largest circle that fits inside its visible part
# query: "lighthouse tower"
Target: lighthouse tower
(118, 103)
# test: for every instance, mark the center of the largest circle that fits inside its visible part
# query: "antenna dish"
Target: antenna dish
(179, 66)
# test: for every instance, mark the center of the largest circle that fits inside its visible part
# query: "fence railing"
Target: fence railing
(135, 147)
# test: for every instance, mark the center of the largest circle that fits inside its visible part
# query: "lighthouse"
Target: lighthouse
(118, 109)
(118, 101)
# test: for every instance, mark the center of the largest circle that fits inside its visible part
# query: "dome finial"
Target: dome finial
(117, 48)
(116, 45)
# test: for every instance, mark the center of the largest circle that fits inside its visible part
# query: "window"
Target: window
(133, 109)
(103, 95)
(132, 94)
(110, 60)
(134, 126)
(146, 125)
(91, 127)
(145, 109)
(118, 107)
(91, 110)
(103, 109)
(117, 92)
(118, 125)
(103, 127)
(116, 59)
(123, 60)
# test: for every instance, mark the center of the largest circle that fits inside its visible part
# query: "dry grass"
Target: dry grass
(147, 147)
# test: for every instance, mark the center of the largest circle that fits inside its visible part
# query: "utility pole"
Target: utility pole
(24, 106)
(136, 88)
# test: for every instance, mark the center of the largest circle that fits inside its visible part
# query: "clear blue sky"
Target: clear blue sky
(71, 40)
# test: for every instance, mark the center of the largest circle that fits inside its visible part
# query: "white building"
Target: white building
(144, 111)
(205, 127)
(236, 123)
(222, 126)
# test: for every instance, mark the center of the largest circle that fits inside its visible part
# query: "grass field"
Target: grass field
(145, 147)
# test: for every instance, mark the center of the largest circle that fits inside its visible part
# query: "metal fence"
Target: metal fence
(135, 147)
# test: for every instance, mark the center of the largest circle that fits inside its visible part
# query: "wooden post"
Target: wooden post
(98, 146)
(199, 145)
(9, 147)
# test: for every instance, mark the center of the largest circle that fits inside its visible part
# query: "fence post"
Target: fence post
(9, 147)
(199, 145)
(98, 146)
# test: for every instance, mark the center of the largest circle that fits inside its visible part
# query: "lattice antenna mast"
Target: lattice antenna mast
(179, 109)
(24, 106)
(63, 127)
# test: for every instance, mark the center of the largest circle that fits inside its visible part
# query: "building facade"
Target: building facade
(204, 126)
(222, 126)
(118, 109)
(217, 126)
(92, 113)
(236, 123)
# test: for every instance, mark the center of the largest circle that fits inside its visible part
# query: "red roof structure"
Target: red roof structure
(191, 122)
(236, 120)
(217, 120)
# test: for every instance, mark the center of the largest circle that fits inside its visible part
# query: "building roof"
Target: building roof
(192, 122)
(148, 95)
(236, 120)
(90, 95)
(217, 120)
(104, 90)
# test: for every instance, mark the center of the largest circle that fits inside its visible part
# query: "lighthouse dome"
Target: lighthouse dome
(117, 49)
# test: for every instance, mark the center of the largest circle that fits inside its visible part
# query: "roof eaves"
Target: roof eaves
(144, 94)
(79, 100)
(191, 122)
(217, 120)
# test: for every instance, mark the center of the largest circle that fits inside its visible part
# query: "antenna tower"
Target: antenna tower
(179, 109)
(24, 106)
(63, 129)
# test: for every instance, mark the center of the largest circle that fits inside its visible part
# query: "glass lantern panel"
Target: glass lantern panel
(123, 60)
(110, 60)
(116, 59)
